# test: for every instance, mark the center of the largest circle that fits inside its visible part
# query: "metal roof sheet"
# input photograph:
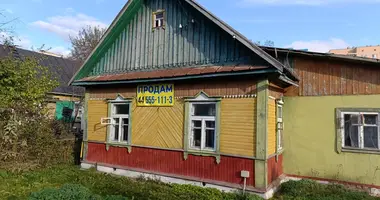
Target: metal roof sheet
(167, 73)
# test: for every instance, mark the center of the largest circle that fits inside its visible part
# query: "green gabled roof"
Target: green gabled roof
(129, 11)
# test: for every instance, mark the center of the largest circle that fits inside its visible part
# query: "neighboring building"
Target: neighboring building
(365, 51)
(332, 119)
(175, 93)
(64, 69)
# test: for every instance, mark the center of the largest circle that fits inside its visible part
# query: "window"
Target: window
(119, 129)
(360, 130)
(203, 126)
(158, 19)
(280, 125)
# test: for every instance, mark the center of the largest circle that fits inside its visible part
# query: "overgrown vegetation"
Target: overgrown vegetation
(36, 184)
(27, 139)
(311, 190)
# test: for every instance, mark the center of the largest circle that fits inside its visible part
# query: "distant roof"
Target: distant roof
(322, 55)
(63, 68)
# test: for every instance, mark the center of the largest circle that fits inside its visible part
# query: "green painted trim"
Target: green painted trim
(263, 71)
(130, 128)
(121, 145)
(85, 127)
(108, 127)
(108, 141)
(187, 150)
(185, 130)
(217, 123)
(193, 98)
(261, 180)
(205, 154)
(117, 26)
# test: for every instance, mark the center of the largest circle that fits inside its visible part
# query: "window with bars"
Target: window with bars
(203, 126)
(360, 130)
(119, 126)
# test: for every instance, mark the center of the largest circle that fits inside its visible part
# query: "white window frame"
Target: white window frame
(280, 124)
(361, 129)
(203, 120)
(113, 124)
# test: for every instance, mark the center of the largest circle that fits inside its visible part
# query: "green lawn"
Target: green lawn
(22, 185)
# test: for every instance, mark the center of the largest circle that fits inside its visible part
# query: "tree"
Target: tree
(85, 42)
(267, 43)
(24, 83)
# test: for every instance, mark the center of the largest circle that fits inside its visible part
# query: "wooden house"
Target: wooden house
(174, 92)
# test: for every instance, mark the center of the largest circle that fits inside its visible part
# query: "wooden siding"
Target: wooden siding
(238, 127)
(158, 126)
(137, 47)
(185, 89)
(276, 91)
(275, 168)
(96, 110)
(271, 126)
(325, 77)
(171, 163)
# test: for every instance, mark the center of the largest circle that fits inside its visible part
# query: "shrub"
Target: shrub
(67, 192)
(311, 190)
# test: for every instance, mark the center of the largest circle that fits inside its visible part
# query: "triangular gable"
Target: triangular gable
(118, 47)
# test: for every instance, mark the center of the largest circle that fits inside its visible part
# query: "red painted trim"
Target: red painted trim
(274, 168)
(335, 181)
(172, 163)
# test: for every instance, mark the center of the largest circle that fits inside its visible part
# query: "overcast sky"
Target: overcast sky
(317, 25)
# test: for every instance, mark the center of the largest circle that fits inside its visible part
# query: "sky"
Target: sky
(316, 25)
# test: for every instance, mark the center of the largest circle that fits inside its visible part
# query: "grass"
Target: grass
(311, 190)
(22, 185)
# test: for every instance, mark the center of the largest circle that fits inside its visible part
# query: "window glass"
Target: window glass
(210, 124)
(124, 129)
(197, 136)
(116, 129)
(204, 109)
(371, 137)
(122, 109)
(210, 138)
(159, 15)
(351, 132)
(197, 124)
(370, 119)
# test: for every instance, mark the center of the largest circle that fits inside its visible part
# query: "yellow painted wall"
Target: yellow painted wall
(97, 109)
(158, 126)
(271, 126)
(238, 127)
(310, 140)
(163, 126)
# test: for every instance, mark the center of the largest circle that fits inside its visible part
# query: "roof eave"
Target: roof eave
(178, 78)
